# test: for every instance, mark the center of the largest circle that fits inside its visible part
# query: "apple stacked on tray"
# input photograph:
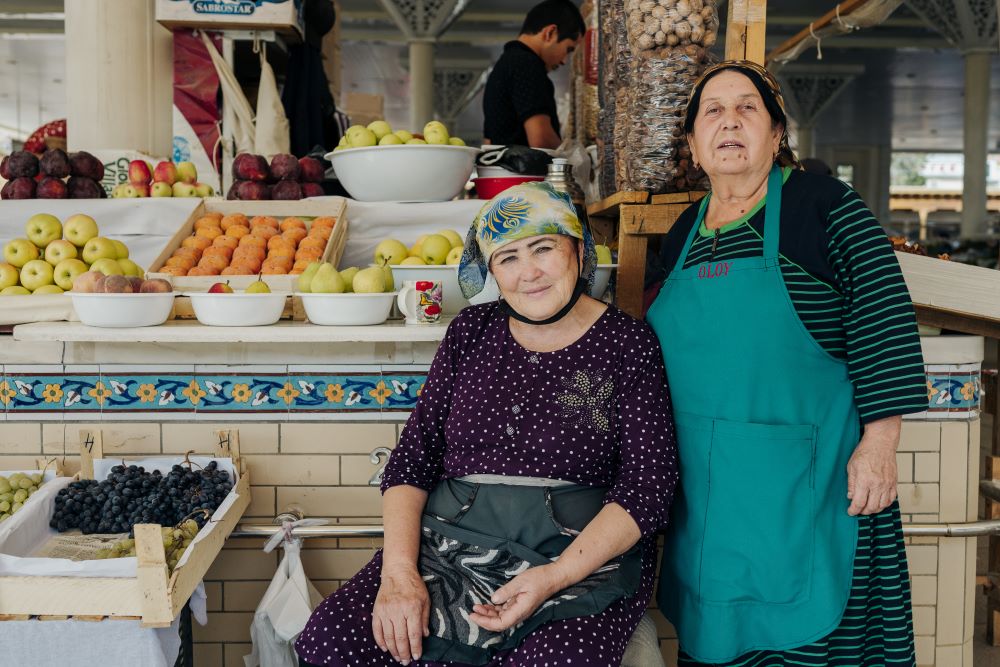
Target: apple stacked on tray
(380, 133)
(286, 178)
(351, 297)
(29, 177)
(165, 180)
(234, 245)
(444, 247)
(54, 254)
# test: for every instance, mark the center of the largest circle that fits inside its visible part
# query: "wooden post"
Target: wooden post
(153, 576)
(745, 30)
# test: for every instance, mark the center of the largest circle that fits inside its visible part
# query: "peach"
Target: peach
(254, 254)
(324, 221)
(280, 241)
(198, 242)
(217, 262)
(308, 254)
(312, 242)
(301, 264)
(294, 235)
(236, 270)
(253, 240)
(182, 262)
(264, 231)
(203, 271)
(221, 251)
(226, 241)
(273, 269)
(291, 223)
(251, 266)
(234, 220)
(320, 233)
(209, 232)
(206, 221)
(295, 272)
(173, 270)
(267, 220)
(188, 252)
(237, 231)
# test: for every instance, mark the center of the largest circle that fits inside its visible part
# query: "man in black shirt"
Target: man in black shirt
(519, 104)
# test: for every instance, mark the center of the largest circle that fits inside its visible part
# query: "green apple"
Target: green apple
(203, 190)
(380, 128)
(348, 276)
(66, 271)
(369, 281)
(403, 135)
(389, 251)
(120, 248)
(435, 249)
(359, 136)
(109, 266)
(79, 228)
(59, 250)
(130, 268)
(36, 273)
(49, 289)
(42, 229)
(19, 252)
(98, 248)
(453, 238)
(13, 290)
(305, 278)
(436, 136)
(129, 191)
(9, 275)
(182, 189)
(343, 141)
(415, 142)
(390, 140)
(187, 172)
(603, 254)
(161, 189)
(413, 261)
(456, 141)
(454, 255)
(327, 281)
(435, 125)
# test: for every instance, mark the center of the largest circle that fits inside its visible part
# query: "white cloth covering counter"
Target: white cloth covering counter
(88, 644)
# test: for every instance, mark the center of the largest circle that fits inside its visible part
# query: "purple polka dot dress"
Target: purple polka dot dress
(595, 413)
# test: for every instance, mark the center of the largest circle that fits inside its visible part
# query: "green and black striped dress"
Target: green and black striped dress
(847, 289)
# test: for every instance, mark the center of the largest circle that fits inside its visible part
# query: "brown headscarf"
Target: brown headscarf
(770, 92)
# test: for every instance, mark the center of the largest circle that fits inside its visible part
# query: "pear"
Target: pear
(348, 276)
(305, 278)
(390, 282)
(327, 281)
(369, 281)
(258, 287)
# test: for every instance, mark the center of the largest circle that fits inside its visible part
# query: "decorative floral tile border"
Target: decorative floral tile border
(958, 391)
(209, 393)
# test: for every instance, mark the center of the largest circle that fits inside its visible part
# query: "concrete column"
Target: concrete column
(974, 136)
(119, 77)
(807, 141)
(421, 83)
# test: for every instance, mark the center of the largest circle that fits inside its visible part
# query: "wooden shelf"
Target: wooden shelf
(608, 207)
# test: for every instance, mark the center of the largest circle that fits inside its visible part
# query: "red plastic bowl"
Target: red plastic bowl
(488, 188)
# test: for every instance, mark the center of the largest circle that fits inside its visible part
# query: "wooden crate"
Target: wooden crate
(284, 16)
(971, 291)
(155, 595)
(305, 209)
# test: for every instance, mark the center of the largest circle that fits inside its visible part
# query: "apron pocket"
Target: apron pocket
(759, 522)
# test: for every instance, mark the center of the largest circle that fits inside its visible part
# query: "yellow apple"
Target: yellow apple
(19, 252)
(390, 251)
(403, 135)
(108, 266)
(603, 254)
(130, 268)
(435, 249)
(390, 140)
(455, 256)
(121, 249)
(380, 128)
(9, 275)
(66, 271)
(99, 248)
(59, 250)
(453, 237)
(413, 261)
(14, 290)
(49, 289)
(36, 273)
(42, 229)
(79, 228)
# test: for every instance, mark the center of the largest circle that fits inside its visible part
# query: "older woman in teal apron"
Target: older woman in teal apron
(791, 351)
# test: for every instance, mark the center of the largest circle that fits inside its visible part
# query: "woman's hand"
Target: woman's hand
(518, 599)
(871, 472)
(401, 613)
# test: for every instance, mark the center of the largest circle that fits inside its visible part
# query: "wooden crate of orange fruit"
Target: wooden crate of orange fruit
(237, 240)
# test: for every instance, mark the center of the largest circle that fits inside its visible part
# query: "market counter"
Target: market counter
(312, 404)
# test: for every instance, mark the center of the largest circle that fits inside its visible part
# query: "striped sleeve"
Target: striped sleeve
(883, 348)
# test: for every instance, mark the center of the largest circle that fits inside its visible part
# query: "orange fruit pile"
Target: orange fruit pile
(234, 245)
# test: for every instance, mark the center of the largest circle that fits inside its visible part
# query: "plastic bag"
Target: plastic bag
(271, 135)
(519, 159)
(656, 25)
(285, 608)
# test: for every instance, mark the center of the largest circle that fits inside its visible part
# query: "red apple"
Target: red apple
(221, 288)
(139, 172)
(165, 172)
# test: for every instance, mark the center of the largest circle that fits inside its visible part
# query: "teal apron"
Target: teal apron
(759, 553)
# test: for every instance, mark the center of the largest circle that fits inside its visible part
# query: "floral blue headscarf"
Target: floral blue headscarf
(520, 212)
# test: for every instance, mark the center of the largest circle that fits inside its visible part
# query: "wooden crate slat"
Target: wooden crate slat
(647, 219)
(609, 205)
(70, 596)
(678, 197)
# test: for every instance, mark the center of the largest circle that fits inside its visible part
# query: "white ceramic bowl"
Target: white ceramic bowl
(347, 309)
(601, 279)
(407, 172)
(237, 309)
(122, 310)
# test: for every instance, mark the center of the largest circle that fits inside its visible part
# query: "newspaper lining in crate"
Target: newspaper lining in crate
(141, 586)
(285, 16)
(306, 209)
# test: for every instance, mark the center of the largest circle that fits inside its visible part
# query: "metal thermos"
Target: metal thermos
(560, 177)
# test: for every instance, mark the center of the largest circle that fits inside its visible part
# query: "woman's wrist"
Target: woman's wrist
(399, 566)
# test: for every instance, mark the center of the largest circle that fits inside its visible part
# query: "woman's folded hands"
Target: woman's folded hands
(518, 599)
(401, 613)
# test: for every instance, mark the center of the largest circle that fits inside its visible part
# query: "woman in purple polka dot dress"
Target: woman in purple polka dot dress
(521, 503)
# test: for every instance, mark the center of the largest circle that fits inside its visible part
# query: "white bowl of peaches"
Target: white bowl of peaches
(121, 301)
(235, 245)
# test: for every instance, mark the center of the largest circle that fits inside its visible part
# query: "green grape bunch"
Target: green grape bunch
(176, 540)
(15, 491)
